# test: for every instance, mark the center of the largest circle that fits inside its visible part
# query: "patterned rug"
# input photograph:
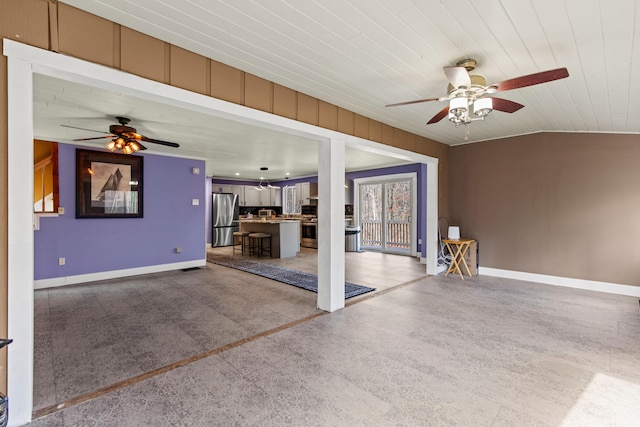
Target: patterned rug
(297, 278)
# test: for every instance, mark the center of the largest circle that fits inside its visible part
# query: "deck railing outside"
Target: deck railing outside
(398, 234)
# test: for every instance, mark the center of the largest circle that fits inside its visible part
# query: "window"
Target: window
(45, 177)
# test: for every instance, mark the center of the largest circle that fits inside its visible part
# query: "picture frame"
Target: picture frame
(108, 185)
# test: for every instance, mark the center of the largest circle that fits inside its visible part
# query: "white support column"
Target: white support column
(432, 217)
(331, 154)
(20, 237)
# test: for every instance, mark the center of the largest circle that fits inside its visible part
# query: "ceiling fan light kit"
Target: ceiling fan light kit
(124, 138)
(466, 93)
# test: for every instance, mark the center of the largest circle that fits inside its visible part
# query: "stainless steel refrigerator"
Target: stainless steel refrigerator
(225, 212)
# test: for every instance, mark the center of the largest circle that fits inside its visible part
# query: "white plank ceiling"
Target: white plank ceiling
(364, 54)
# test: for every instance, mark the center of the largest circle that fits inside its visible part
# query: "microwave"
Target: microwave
(309, 210)
(265, 213)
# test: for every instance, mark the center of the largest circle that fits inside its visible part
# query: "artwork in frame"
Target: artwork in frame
(108, 185)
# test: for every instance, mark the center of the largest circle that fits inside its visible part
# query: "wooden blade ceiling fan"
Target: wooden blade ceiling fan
(124, 138)
(470, 92)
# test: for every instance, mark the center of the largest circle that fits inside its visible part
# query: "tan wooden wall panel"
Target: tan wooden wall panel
(327, 115)
(189, 71)
(375, 130)
(307, 109)
(85, 36)
(285, 102)
(387, 134)
(361, 126)
(400, 138)
(346, 121)
(258, 93)
(25, 21)
(142, 55)
(227, 82)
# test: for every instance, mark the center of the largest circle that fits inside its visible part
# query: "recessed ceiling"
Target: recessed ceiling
(231, 149)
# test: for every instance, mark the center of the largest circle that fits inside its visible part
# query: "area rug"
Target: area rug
(297, 278)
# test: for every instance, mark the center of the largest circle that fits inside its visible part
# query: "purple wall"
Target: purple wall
(96, 245)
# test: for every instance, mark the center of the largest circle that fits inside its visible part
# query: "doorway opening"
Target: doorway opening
(386, 211)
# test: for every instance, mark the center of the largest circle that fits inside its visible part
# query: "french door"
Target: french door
(387, 213)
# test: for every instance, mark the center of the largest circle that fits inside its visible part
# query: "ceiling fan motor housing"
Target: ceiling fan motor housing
(120, 129)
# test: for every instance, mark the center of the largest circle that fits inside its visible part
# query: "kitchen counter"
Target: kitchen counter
(268, 221)
(285, 234)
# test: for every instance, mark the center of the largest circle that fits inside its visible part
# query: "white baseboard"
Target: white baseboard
(591, 285)
(104, 275)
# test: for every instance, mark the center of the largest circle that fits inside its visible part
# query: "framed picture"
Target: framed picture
(108, 185)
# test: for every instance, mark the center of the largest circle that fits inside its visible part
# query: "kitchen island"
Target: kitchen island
(285, 234)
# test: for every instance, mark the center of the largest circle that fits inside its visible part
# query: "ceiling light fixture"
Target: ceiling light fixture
(264, 183)
(460, 107)
(127, 146)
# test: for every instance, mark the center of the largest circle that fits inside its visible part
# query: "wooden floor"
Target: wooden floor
(370, 268)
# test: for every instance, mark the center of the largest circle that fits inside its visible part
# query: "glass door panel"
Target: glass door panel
(385, 212)
(398, 216)
(371, 215)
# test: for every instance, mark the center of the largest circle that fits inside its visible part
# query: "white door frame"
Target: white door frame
(23, 62)
(413, 177)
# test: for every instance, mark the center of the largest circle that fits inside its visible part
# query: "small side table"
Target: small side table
(458, 249)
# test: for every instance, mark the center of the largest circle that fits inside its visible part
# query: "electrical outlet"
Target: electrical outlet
(195, 202)
(419, 241)
(178, 250)
(60, 210)
(61, 261)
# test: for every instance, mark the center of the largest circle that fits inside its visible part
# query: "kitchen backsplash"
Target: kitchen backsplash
(253, 210)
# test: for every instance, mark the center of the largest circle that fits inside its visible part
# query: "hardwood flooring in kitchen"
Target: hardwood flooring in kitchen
(374, 269)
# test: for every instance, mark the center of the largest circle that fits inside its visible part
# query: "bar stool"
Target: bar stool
(240, 236)
(256, 242)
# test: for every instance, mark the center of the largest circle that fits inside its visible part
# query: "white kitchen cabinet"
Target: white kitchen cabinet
(221, 188)
(265, 197)
(270, 197)
(239, 191)
(276, 197)
(302, 194)
(251, 196)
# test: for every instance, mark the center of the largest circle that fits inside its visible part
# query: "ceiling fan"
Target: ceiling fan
(124, 138)
(466, 92)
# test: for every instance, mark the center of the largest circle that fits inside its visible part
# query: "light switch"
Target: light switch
(195, 202)
(60, 210)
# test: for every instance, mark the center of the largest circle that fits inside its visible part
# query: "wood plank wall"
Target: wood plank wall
(58, 27)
